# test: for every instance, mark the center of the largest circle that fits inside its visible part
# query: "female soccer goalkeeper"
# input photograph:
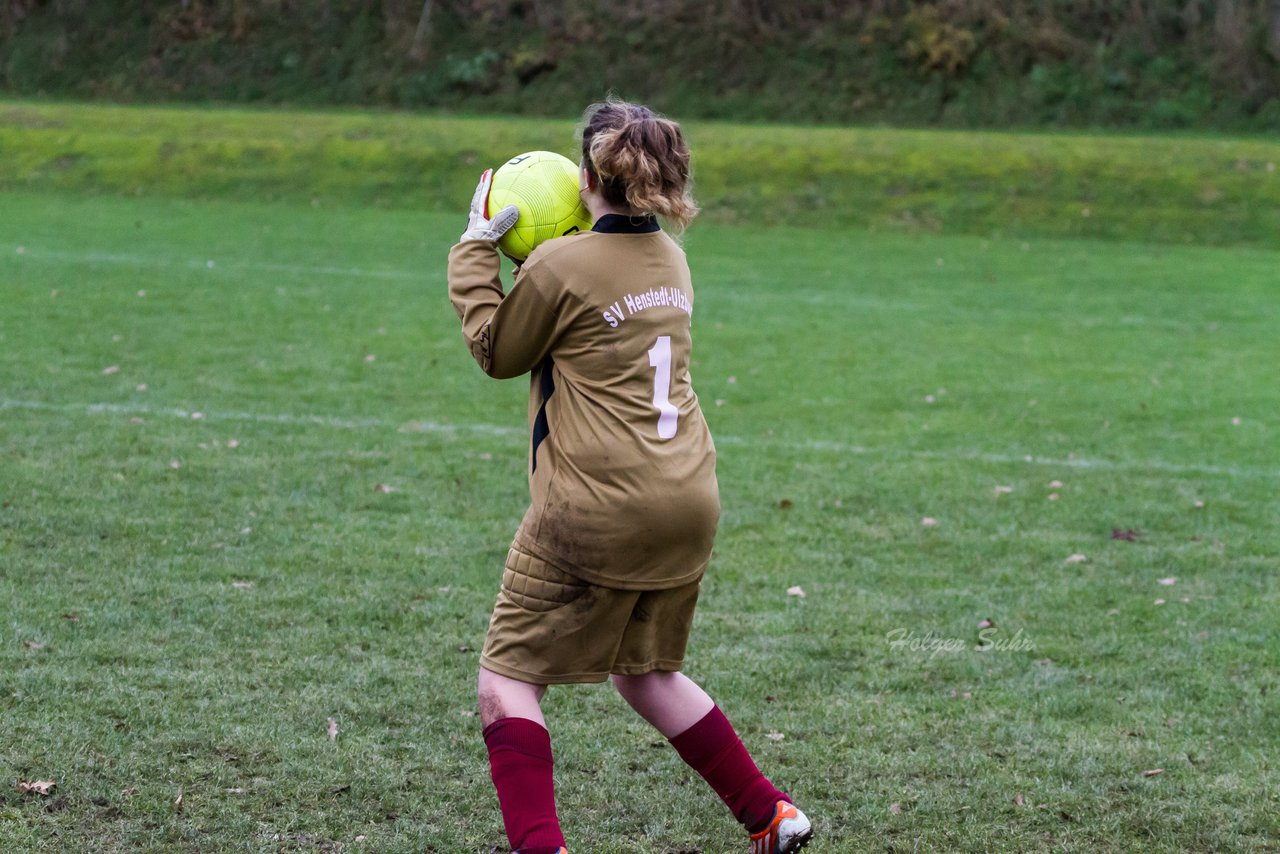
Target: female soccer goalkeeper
(602, 577)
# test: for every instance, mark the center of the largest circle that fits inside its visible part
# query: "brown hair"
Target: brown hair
(640, 159)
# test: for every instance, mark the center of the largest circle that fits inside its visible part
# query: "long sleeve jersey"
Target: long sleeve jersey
(621, 463)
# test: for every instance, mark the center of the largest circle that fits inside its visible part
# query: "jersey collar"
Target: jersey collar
(619, 224)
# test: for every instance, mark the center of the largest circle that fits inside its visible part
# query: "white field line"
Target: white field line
(261, 418)
(212, 264)
(815, 446)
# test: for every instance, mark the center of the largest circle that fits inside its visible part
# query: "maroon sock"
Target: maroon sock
(713, 749)
(520, 762)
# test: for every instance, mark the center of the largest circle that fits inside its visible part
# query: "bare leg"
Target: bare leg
(672, 702)
(503, 697)
(706, 741)
(520, 760)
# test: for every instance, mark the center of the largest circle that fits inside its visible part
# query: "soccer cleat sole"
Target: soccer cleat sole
(797, 843)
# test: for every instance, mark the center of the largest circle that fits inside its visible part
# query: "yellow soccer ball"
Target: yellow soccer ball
(544, 186)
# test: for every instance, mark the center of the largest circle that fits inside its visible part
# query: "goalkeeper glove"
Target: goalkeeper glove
(480, 228)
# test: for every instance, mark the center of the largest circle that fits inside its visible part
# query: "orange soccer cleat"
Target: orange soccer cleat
(787, 833)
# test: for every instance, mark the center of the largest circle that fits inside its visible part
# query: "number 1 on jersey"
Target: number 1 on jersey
(660, 361)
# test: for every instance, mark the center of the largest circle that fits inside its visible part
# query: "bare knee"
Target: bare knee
(503, 697)
(491, 705)
(625, 684)
(639, 685)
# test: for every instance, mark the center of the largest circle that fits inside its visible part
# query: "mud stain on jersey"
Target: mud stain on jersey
(586, 602)
(565, 537)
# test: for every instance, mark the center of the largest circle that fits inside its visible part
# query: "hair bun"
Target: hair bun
(641, 159)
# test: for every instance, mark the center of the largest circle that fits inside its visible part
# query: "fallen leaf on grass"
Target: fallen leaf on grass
(73, 617)
(234, 791)
(177, 802)
(1159, 602)
(129, 792)
(1019, 800)
(1055, 484)
(895, 809)
(111, 369)
(1053, 496)
(797, 591)
(785, 504)
(39, 787)
(382, 487)
(774, 735)
(1167, 582)
(1153, 772)
(332, 729)
(242, 585)
(1075, 558)
(928, 521)
(233, 443)
(30, 644)
(1002, 490)
(986, 624)
(1126, 534)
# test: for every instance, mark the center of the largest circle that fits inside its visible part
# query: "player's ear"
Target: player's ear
(585, 181)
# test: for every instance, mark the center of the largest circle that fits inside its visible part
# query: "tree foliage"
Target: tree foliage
(1156, 63)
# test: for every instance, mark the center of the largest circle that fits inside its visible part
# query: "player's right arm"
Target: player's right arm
(508, 333)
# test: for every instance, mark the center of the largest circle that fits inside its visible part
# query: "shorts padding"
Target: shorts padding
(551, 627)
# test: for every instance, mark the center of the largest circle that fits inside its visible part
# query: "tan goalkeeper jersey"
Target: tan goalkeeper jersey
(622, 467)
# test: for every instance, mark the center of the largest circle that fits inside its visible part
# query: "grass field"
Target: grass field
(251, 482)
(1181, 189)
